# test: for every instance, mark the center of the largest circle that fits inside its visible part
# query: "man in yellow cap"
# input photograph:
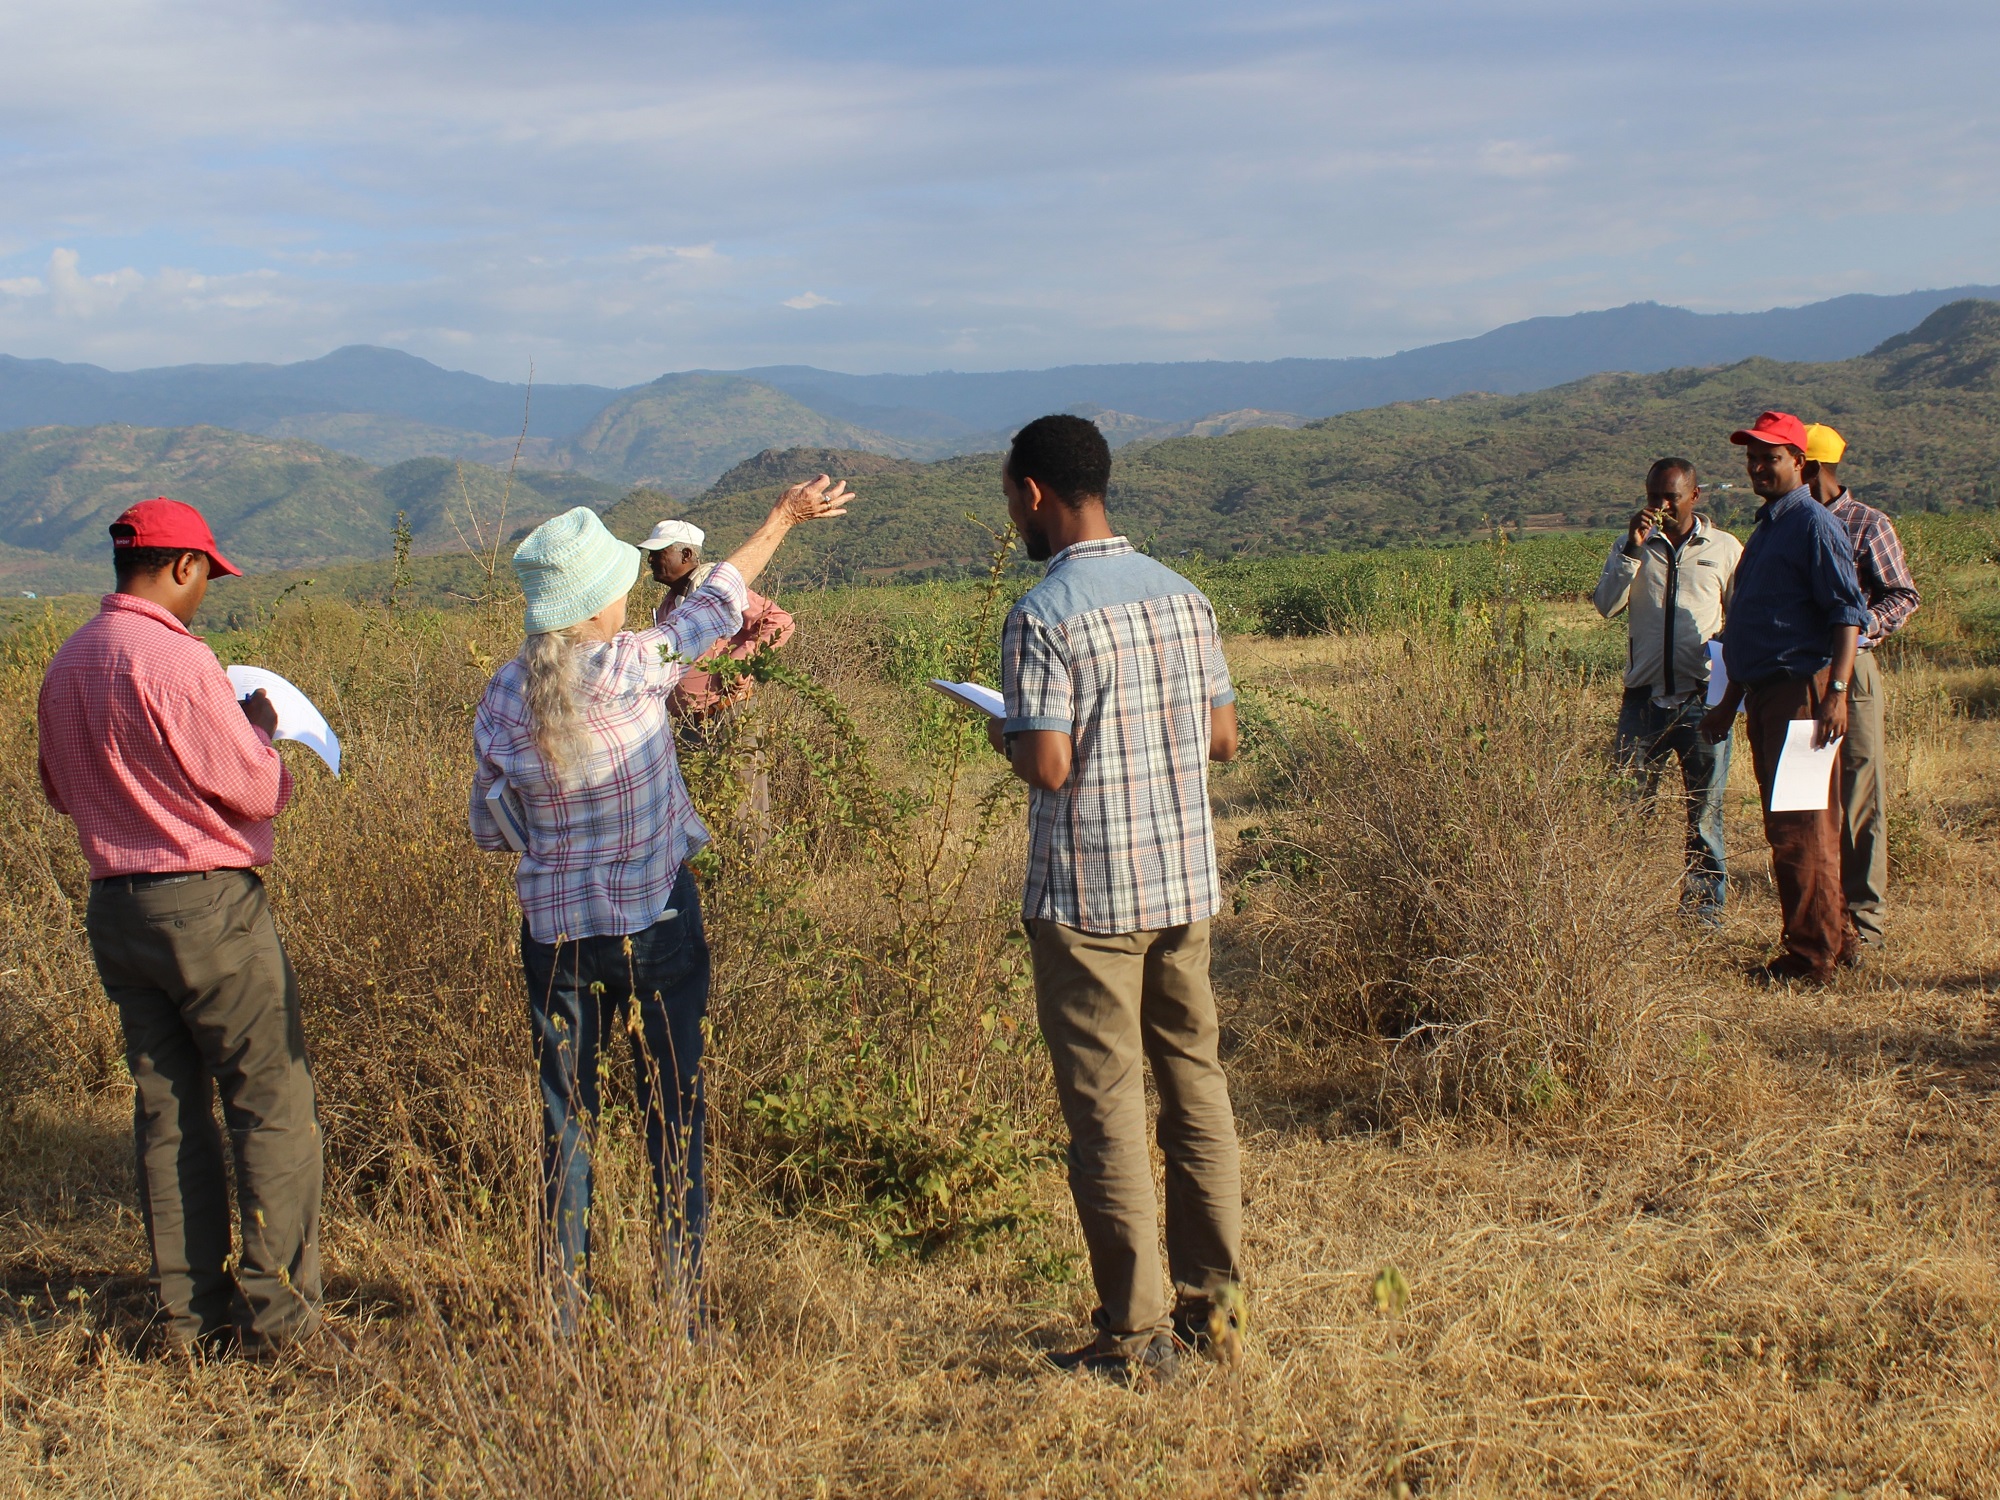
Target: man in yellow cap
(1884, 576)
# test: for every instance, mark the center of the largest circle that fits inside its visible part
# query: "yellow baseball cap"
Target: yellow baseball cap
(1823, 444)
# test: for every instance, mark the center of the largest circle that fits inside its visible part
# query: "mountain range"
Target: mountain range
(1921, 413)
(680, 432)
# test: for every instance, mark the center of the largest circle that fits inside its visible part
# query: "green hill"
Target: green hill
(274, 503)
(1922, 415)
(682, 431)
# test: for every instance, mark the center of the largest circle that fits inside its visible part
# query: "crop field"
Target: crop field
(1544, 1197)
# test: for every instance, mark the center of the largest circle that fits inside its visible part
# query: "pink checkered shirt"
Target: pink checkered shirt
(766, 625)
(144, 744)
(605, 847)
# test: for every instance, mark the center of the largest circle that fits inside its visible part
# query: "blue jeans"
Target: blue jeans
(578, 992)
(1647, 735)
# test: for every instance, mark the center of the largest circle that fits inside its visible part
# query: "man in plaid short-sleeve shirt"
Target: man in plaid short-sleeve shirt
(1884, 575)
(1117, 698)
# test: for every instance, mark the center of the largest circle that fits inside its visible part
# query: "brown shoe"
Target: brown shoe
(1789, 968)
(1153, 1363)
(1213, 1326)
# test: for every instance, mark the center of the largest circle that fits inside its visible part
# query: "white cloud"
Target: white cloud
(80, 296)
(1268, 180)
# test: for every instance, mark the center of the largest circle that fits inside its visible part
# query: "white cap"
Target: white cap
(673, 534)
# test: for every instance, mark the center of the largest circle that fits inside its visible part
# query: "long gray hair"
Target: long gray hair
(554, 667)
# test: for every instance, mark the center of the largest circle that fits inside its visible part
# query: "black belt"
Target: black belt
(170, 877)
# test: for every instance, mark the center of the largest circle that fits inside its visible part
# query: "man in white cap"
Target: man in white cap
(673, 554)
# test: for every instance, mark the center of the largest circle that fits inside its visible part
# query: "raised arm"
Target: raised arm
(818, 500)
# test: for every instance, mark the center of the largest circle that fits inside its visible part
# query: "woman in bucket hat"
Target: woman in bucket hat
(576, 756)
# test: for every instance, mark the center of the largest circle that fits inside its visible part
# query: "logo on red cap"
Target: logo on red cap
(169, 523)
(1778, 428)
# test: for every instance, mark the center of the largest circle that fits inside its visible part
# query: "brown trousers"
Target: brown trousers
(1805, 846)
(1864, 794)
(1108, 1005)
(207, 1000)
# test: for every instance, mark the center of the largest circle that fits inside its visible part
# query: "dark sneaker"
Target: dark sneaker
(1213, 1327)
(1789, 968)
(1153, 1364)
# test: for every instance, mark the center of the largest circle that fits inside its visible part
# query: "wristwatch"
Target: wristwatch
(1835, 685)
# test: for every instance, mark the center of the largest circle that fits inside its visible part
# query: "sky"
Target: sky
(606, 191)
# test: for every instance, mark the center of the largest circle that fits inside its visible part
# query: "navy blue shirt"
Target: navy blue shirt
(1794, 587)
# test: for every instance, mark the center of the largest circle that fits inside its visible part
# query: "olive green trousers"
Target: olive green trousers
(208, 1004)
(1108, 1006)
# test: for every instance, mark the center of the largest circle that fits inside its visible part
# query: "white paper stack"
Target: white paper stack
(1804, 778)
(973, 695)
(297, 718)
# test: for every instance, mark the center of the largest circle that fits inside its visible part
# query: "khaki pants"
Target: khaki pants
(1864, 794)
(1108, 1004)
(207, 1001)
(1805, 846)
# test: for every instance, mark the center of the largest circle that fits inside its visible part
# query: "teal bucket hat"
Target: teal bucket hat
(570, 567)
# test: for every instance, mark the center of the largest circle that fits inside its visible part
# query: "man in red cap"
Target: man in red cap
(173, 787)
(1788, 643)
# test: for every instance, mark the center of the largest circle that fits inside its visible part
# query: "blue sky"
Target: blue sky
(614, 190)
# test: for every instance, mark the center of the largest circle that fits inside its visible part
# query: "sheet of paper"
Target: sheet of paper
(1804, 780)
(297, 718)
(1718, 676)
(973, 695)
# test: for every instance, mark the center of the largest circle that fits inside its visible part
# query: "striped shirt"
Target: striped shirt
(1880, 565)
(604, 845)
(143, 742)
(1123, 655)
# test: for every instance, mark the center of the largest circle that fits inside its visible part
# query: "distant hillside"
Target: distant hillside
(273, 503)
(1922, 414)
(381, 439)
(253, 397)
(783, 466)
(683, 431)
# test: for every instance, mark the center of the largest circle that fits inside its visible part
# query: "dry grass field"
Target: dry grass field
(1545, 1199)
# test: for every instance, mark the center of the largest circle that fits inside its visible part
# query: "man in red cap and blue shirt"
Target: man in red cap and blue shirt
(1788, 644)
(173, 785)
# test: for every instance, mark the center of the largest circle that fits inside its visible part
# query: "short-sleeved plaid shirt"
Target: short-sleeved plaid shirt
(1123, 654)
(605, 845)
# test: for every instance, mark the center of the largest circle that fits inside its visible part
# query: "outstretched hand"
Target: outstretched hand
(816, 500)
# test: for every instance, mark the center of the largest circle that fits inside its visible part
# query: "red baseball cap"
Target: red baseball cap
(168, 523)
(1778, 428)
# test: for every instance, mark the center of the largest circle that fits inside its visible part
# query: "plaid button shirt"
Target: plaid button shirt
(605, 846)
(1880, 565)
(1123, 655)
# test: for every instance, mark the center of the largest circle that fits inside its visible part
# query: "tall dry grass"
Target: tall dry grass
(1452, 888)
